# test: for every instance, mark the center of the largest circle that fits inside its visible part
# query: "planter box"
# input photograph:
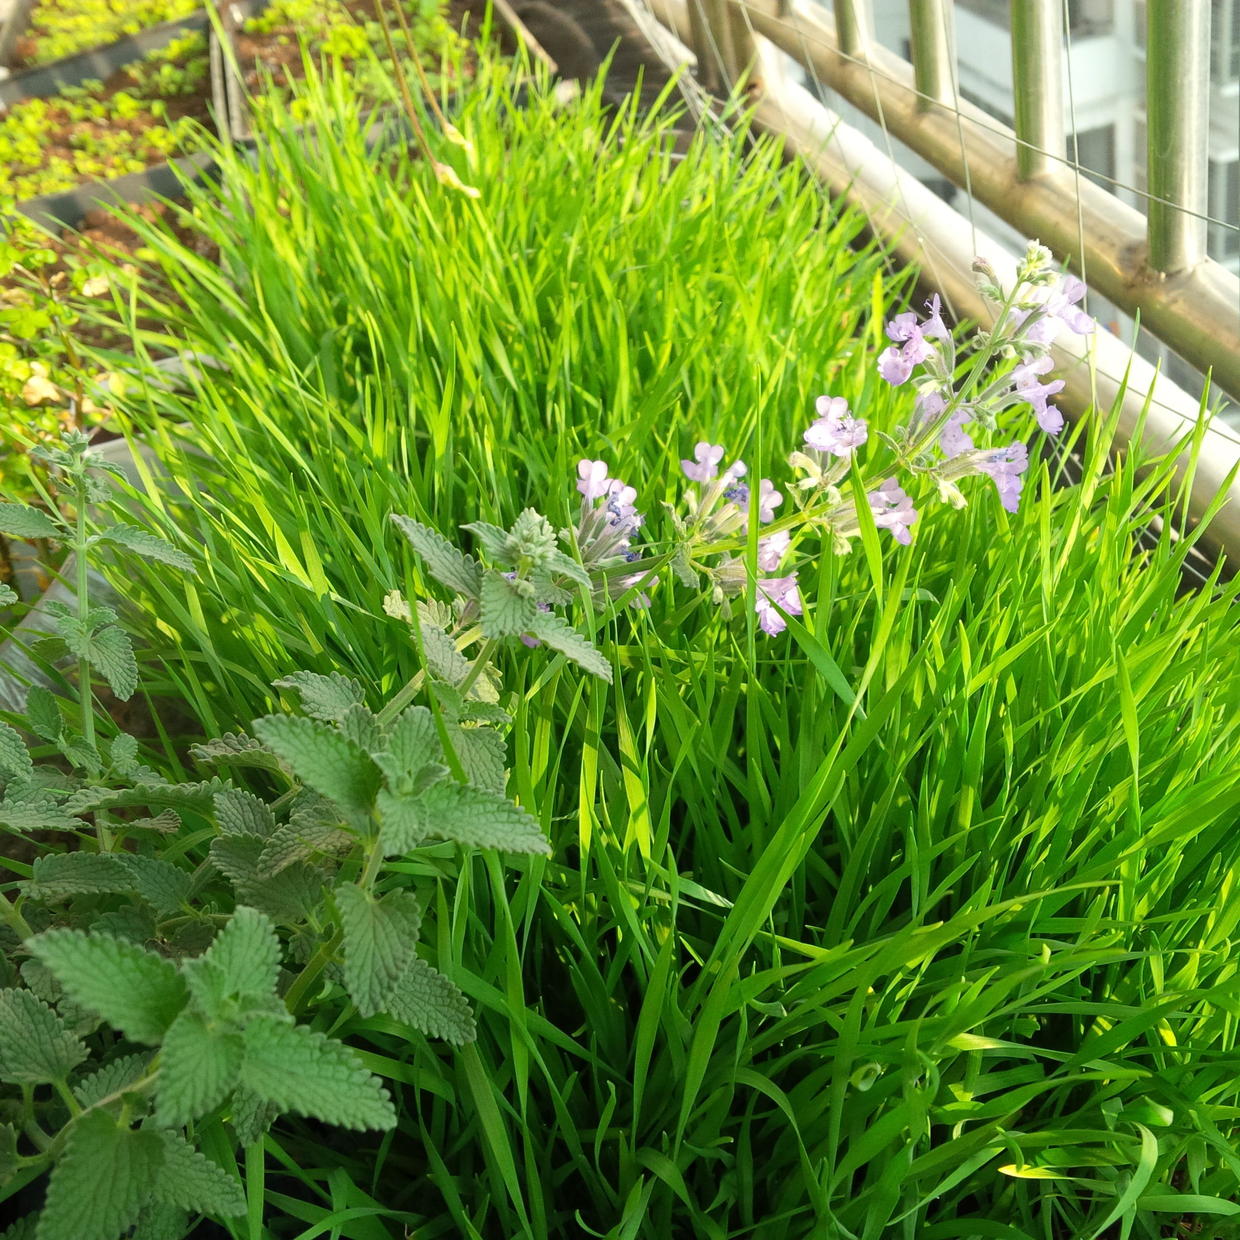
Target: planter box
(101, 62)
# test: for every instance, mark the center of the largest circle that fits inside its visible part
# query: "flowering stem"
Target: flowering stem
(484, 657)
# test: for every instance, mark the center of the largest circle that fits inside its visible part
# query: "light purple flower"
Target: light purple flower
(896, 363)
(1057, 310)
(1005, 466)
(933, 326)
(776, 592)
(1026, 378)
(953, 439)
(705, 463)
(768, 500)
(836, 431)
(893, 510)
(592, 479)
(771, 550)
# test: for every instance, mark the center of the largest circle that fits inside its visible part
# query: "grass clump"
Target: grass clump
(916, 921)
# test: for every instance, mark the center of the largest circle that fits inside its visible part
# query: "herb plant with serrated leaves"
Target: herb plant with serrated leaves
(172, 957)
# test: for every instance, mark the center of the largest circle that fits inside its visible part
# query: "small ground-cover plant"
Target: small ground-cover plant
(162, 970)
(61, 27)
(914, 920)
(140, 116)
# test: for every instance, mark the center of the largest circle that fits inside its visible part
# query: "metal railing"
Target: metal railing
(1152, 267)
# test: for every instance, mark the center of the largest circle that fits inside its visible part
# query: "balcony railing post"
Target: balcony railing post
(13, 27)
(1037, 79)
(854, 26)
(1177, 82)
(722, 42)
(933, 46)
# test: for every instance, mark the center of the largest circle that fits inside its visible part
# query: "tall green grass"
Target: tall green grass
(917, 922)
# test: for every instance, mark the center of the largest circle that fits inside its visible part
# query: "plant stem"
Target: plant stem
(86, 697)
(484, 657)
(10, 915)
(310, 974)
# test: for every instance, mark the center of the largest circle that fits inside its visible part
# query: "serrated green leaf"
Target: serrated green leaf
(110, 653)
(149, 546)
(15, 760)
(251, 1115)
(247, 953)
(43, 713)
(403, 824)
(301, 837)
(493, 539)
(57, 876)
(193, 1182)
(324, 697)
(379, 938)
(8, 596)
(123, 753)
(322, 759)
(37, 816)
(134, 990)
(161, 1221)
(556, 632)
(35, 1045)
(166, 823)
(359, 725)
(164, 886)
(199, 1064)
(412, 743)
(39, 978)
(482, 754)
(443, 660)
(100, 1181)
(506, 611)
(131, 922)
(566, 566)
(197, 797)
(236, 749)
(236, 856)
(111, 1079)
(289, 897)
(22, 521)
(450, 567)
(305, 1072)
(481, 819)
(242, 813)
(432, 1004)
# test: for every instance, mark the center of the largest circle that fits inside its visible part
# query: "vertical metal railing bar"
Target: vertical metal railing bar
(854, 26)
(1194, 311)
(1100, 369)
(1037, 82)
(1177, 81)
(933, 47)
(1082, 257)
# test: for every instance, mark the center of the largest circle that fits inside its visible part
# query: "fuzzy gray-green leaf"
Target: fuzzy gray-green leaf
(379, 938)
(132, 989)
(481, 819)
(193, 1182)
(35, 1045)
(100, 1181)
(22, 521)
(301, 1070)
(450, 567)
(324, 697)
(199, 1064)
(428, 1001)
(507, 610)
(556, 632)
(322, 759)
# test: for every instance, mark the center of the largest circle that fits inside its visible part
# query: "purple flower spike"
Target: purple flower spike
(776, 592)
(896, 364)
(705, 464)
(1026, 377)
(592, 479)
(836, 431)
(893, 510)
(771, 551)
(1062, 304)
(1005, 466)
(952, 438)
(768, 500)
